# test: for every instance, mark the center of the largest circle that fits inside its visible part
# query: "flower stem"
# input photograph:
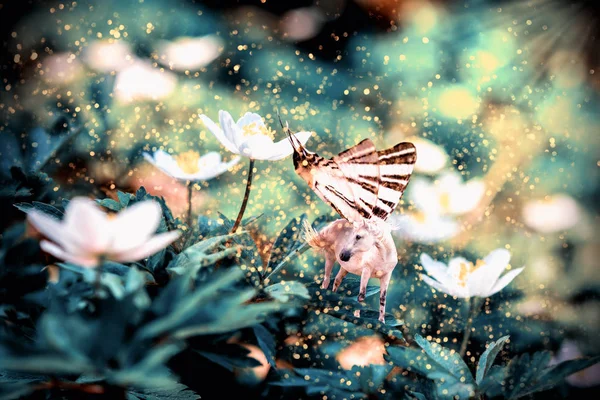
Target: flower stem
(97, 282)
(190, 188)
(238, 220)
(472, 311)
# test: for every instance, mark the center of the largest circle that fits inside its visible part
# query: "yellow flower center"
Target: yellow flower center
(420, 217)
(254, 129)
(444, 200)
(467, 269)
(188, 161)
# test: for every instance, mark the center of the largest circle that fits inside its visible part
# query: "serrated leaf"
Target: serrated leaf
(545, 378)
(284, 290)
(487, 358)
(266, 342)
(201, 254)
(287, 241)
(110, 204)
(42, 207)
(172, 392)
(449, 360)
(124, 198)
(228, 362)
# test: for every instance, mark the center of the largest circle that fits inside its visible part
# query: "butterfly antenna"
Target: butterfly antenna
(286, 128)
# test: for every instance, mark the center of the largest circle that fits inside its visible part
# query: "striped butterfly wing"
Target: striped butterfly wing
(395, 168)
(330, 184)
(359, 164)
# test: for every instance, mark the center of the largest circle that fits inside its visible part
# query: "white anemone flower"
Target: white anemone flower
(554, 213)
(421, 227)
(250, 137)
(141, 81)
(189, 165)
(87, 235)
(108, 55)
(190, 53)
(432, 157)
(461, 278)
(447, 195)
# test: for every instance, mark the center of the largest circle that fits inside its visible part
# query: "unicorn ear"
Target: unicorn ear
(358, 224)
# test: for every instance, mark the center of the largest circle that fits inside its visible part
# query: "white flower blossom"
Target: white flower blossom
(447, 195)
(108, 55)
(190, 166)
(432, 157)
(461, 278)
(250, 137)
(141, 81)
(190, 53)
(417, 226)
(87, 235)
(552, 214)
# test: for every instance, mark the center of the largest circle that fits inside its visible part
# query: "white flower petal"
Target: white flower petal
(215, 170)
(432, 157)
(466, 196)
(155, 244)
(495, 263)
(429, 229)
(505, 280)
(425, 196)
(552, 214)
(87, 261)
(437, 270)
(210, 159)
(133, 226)
(250, 118)
(50, 227)
(231, 130)
(454, 266)
(436, 285)
(284, 148)
(166, 163)
(87, 224)
(258, 147)
(218, 132)
(479, 282)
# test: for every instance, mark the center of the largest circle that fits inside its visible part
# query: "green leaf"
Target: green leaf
(172, 392)
(371, 377)
(16, 386)
(487, 358)
(152, 365)
(230, 361)
(201, 254)
(42, 363)
(42, 207)
(284, 290)
(449, 360)
(124, 198)
(545, 378)
(266, 342)
(288, 243)
(110, 204)
(237, 318)
(186, 308)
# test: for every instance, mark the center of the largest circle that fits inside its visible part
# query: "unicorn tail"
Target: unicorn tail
(312, 237)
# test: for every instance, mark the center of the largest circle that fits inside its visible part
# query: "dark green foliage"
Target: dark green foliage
(138, 330)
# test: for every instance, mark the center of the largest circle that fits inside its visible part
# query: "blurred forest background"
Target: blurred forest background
(501, 98)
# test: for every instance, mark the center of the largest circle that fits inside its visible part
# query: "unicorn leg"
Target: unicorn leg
(329, 261)
(338, 279)
(384, 282)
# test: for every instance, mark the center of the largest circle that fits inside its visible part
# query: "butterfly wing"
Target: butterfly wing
(395, 168)
(359, 164)
(331, 185)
